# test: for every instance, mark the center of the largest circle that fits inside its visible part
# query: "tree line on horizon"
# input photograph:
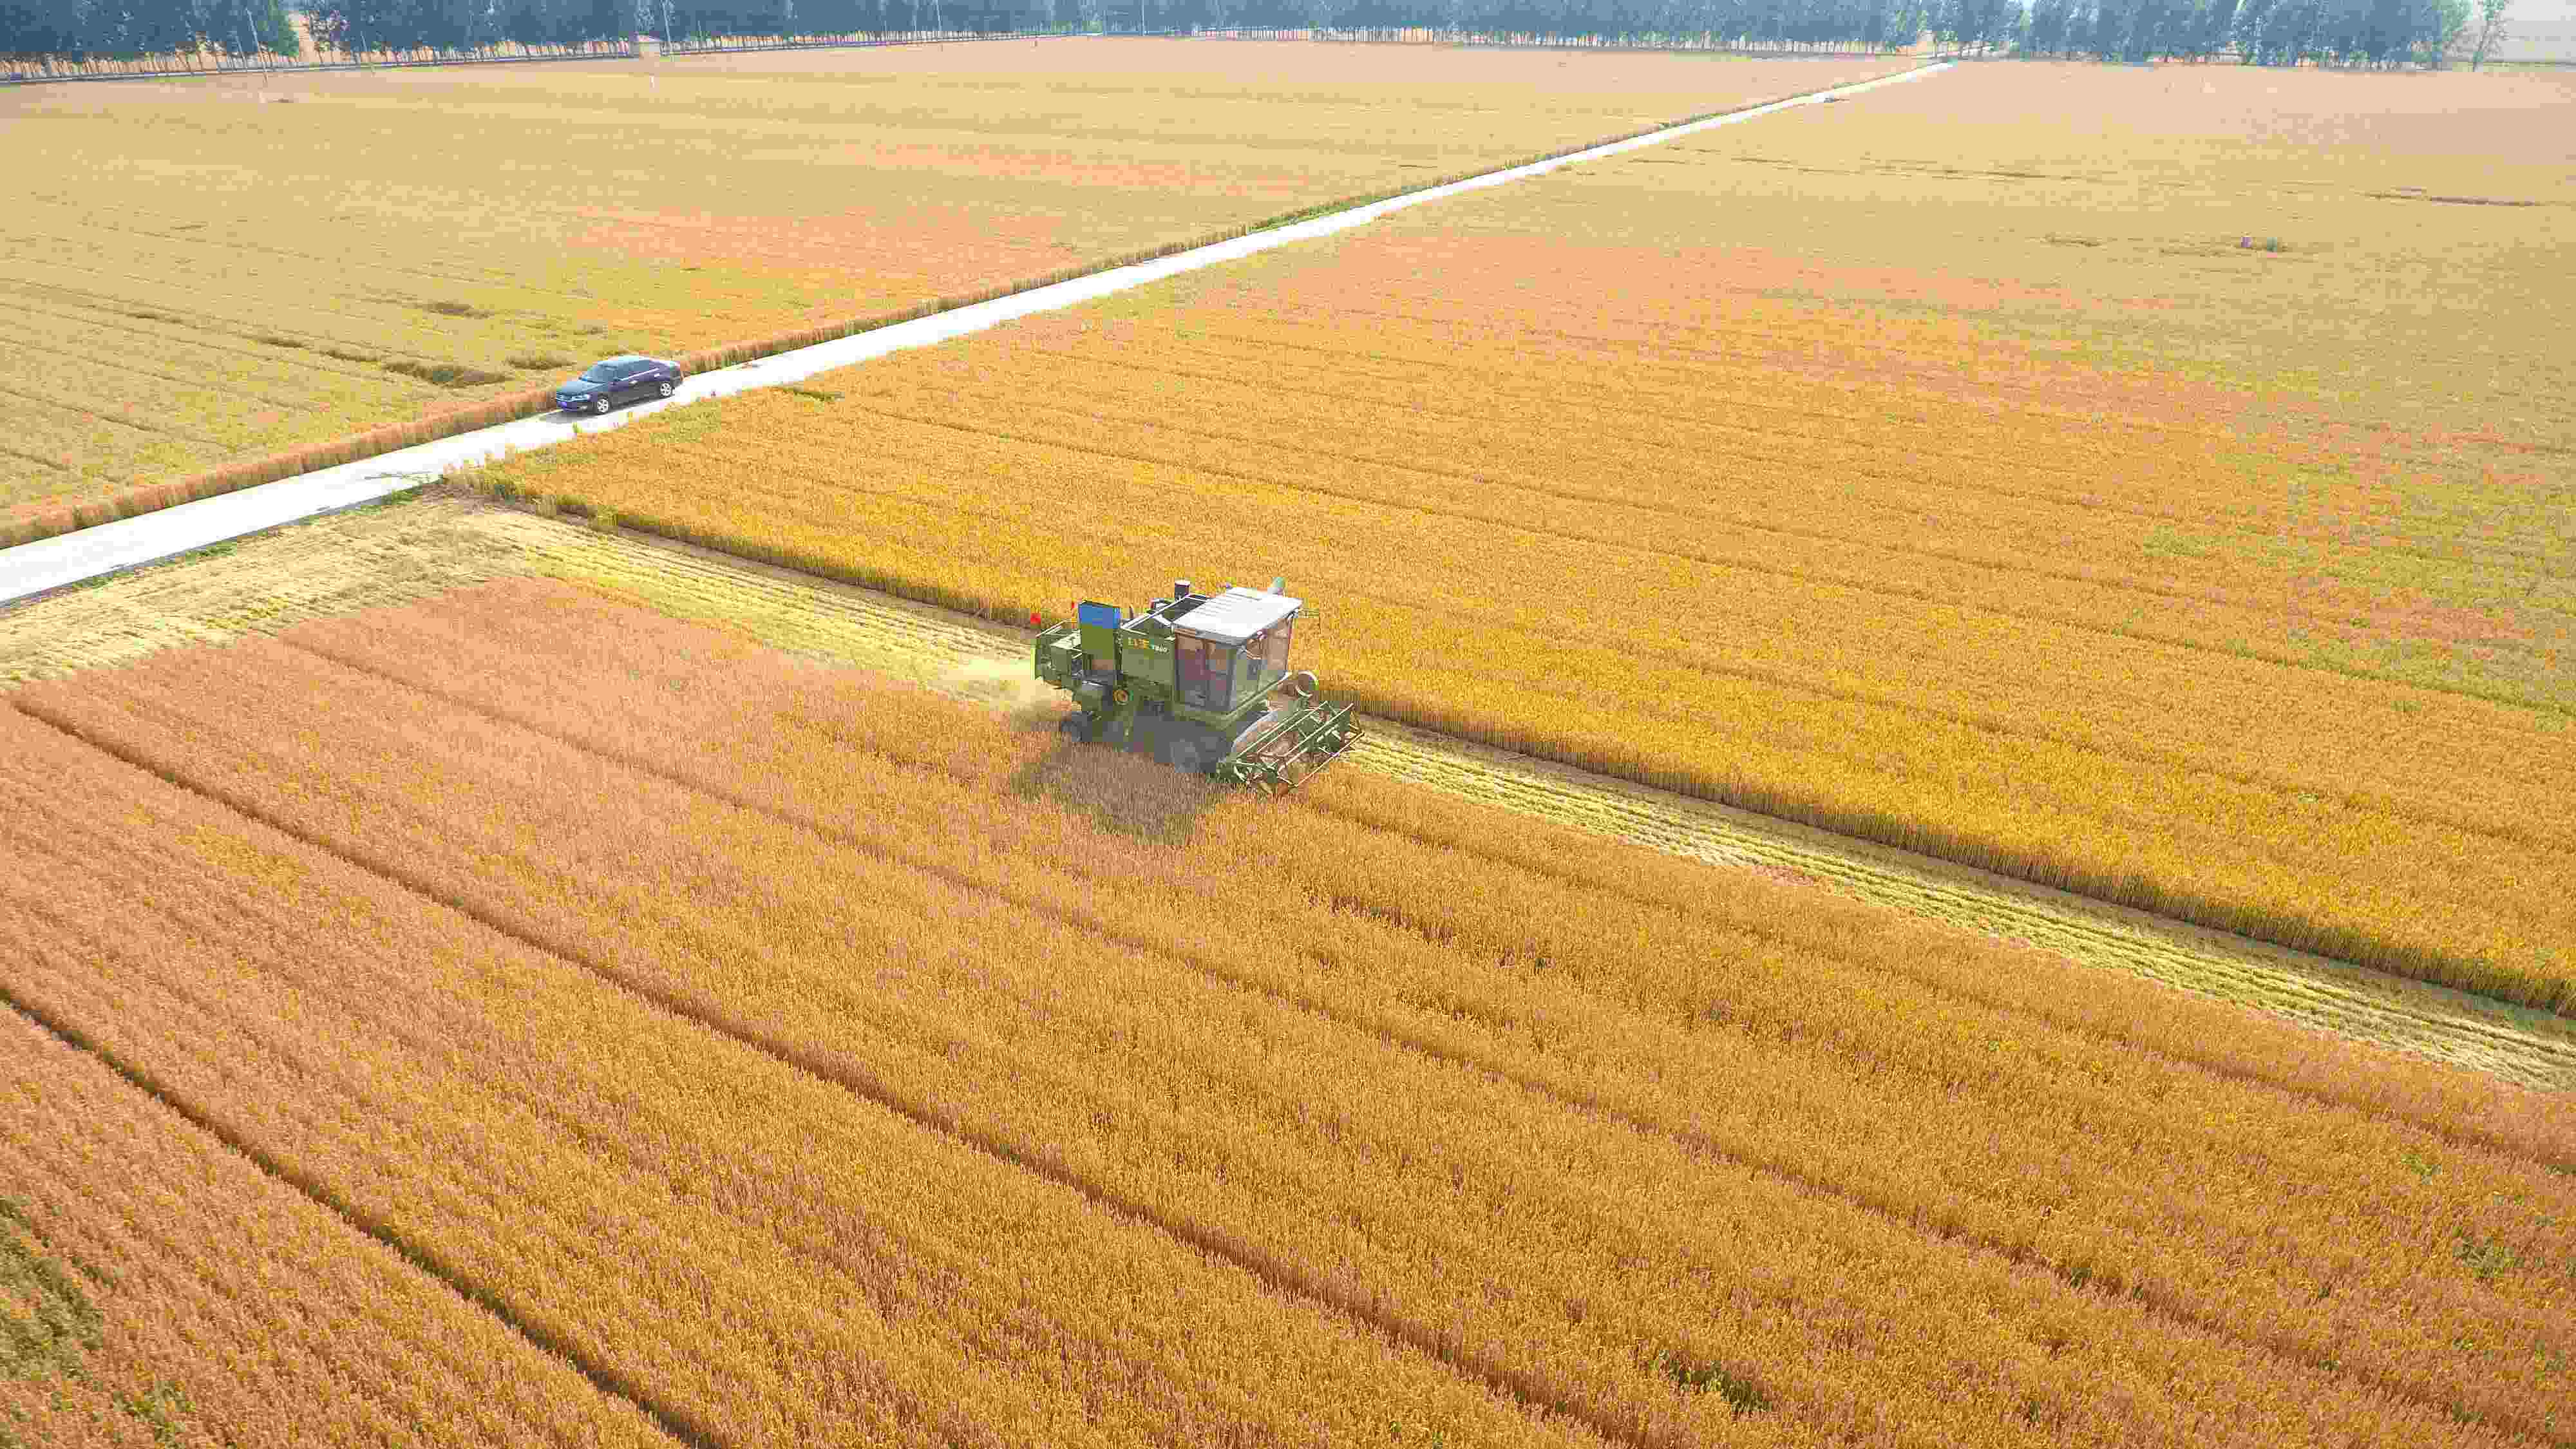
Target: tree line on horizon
(2352, 33)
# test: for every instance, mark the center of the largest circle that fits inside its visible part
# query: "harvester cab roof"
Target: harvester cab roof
(1232, 617)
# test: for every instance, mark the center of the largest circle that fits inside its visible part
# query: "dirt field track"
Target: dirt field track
(416, 548)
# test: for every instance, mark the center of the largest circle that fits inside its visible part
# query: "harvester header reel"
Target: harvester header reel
(1201, 682)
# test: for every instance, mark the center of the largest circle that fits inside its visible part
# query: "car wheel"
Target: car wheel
(668, 387)
(599, 405)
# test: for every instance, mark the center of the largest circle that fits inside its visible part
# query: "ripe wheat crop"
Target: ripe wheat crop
(760, 1254)
(172, 1292)
(210, 290)
(1733, 473)
(1688, 1160)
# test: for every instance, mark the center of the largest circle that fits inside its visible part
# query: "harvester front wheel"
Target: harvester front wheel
(1075, 727)
(1187, 756)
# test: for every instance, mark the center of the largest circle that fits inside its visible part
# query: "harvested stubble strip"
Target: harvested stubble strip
(1521, 1226)
(223, 1289)
(748, 1247)
(2233, 1203)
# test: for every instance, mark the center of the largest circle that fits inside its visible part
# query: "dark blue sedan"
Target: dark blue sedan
(617, 380)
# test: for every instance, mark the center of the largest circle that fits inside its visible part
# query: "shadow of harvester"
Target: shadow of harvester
(1123, 793)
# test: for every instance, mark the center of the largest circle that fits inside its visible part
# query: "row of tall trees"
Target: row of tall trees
(2363, 33)
(705, 21)
(2258, 32)
(42, 30)
(363, 26)
(48, 34)
(1808, 23)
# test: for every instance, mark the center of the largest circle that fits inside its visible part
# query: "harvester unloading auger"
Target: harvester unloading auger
(1200, 682)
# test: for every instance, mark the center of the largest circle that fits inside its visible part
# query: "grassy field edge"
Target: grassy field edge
(30, 522)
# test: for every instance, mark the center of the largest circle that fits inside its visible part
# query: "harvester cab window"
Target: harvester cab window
(1204, 672)
(1220, 676)
(1274, 650)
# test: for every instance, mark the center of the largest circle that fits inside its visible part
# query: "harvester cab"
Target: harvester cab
(1200, 682)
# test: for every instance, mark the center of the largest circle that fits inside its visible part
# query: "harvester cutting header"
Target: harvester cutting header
(1200, 682)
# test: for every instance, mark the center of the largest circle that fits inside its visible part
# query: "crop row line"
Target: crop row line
(1881, 542)
(1846, 693)
(2521, 556)
(377, 261)
(2513, 560)
(1902, 351)
(146, 219)
(196, 319)
(672, 1422)
(41, 460)
(1660, 351)
(232, 386)
(2026, 920)
(117, 418)
(1563, 1092)
(372, 329)
(1281, 1274)
(306, 360)
(1682, 398)
(2212, 1063)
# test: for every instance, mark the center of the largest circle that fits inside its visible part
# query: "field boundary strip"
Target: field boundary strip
(143, 527)
(606, 1379)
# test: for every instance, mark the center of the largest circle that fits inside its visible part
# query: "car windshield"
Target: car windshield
(601, 372)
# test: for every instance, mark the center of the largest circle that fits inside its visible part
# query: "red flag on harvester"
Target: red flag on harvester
(1033, 618)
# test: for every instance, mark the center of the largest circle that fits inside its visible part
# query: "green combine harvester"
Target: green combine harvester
(1200, 682)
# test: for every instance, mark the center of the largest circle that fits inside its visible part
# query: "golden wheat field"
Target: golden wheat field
(1999, 505)
(446, 538)
(214, 272)
(800, 1055)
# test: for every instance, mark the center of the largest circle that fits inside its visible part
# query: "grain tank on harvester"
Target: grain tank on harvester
(1200, 682)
